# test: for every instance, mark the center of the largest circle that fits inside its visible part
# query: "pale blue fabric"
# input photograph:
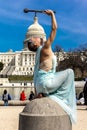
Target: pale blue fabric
(59, 86)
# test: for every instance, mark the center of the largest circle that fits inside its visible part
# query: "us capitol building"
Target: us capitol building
(22, 62)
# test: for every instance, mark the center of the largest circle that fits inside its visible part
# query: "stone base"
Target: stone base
(44, 114)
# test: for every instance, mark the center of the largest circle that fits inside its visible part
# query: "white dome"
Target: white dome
(35, 30)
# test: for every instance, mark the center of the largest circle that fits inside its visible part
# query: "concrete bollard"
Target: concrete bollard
(44, 114)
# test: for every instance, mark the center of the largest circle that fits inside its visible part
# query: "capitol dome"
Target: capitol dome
(35, 30)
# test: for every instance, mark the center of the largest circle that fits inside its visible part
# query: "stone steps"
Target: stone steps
(15, 103)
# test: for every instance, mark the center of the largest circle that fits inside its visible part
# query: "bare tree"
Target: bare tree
(1, 66)
(58, 48)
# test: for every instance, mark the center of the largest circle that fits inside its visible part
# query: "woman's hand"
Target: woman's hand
(48, 12)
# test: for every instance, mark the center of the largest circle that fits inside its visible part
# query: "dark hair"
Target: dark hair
(5, 91)
(30, 45)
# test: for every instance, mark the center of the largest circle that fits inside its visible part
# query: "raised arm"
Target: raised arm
(53, 28)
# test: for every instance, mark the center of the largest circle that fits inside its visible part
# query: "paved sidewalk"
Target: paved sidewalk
(9, 118)
(81, 118)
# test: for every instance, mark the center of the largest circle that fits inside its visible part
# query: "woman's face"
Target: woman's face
(34, 43)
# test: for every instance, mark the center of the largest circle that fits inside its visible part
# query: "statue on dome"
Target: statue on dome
(59, 86)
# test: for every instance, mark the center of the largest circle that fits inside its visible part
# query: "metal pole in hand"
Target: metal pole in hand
(36, 11)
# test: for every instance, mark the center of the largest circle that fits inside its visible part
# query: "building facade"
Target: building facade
(17, 63)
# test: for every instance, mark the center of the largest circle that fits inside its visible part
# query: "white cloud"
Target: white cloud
(73, 25)
(73, 21)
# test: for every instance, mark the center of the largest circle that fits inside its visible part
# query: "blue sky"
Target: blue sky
(71, 17)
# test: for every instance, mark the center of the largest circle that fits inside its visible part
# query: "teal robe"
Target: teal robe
(59, 86)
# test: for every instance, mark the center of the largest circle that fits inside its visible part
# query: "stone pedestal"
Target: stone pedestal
(44, 114)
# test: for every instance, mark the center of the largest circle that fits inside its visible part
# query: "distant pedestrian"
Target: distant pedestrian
(81, 95)
(22, 96)
(31, 96)
(85, 93)
(5, 97)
